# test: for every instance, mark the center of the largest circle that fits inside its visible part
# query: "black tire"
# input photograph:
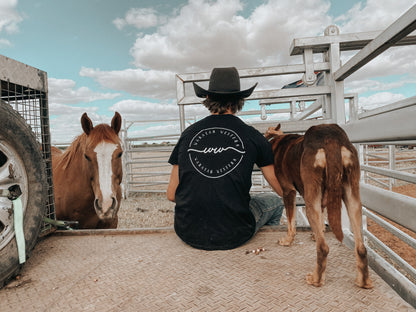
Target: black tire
(18, 147)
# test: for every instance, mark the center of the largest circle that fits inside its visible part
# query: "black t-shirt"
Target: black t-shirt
(216, 156)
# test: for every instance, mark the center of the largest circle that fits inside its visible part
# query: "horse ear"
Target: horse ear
(277, 127)
(116, 122)
(86, 123)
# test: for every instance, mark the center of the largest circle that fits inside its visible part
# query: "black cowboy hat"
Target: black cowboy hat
(223, 82)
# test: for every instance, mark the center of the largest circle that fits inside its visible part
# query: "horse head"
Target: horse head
(103, 165)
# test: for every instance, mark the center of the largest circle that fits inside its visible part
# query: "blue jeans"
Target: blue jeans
(267, 209)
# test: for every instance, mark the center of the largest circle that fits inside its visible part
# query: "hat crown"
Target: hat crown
(224, 80)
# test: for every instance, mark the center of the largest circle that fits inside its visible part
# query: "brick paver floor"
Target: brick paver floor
(157, 272)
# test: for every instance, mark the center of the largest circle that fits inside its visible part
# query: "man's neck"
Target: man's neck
(228, 112)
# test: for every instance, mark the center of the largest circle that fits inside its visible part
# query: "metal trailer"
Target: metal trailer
(25, 163)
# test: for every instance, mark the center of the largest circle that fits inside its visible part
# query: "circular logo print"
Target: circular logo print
(215, 152)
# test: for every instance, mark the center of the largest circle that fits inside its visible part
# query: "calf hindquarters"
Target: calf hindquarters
(330, 172)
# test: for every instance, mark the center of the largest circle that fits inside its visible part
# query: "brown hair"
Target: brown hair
(220, 106)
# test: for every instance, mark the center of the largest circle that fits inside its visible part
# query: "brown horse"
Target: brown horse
(323, 167)
(88, 174)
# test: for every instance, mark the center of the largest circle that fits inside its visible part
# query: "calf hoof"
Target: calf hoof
(311, 280)
(368, 284)
(286, 241)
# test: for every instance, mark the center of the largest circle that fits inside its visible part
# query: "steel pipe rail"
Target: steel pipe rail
(383, 201)
(395, 231)
(404, 176)
(395, 32)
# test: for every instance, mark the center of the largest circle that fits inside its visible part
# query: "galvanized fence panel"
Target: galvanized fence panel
(145, 160)
(392, 125)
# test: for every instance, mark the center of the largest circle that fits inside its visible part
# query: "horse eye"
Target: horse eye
(119, 155)
(86, 157)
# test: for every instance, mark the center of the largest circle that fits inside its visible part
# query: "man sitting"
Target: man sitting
(212, 167)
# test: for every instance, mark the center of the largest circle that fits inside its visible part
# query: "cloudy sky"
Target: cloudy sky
(103, 56)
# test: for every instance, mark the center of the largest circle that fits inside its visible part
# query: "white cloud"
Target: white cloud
(65, 115)
(56, 109)
(65, 120)
(375, 15)
(394, 61)
(377, 100)
(5, 43)
(64, 91)
(142, 110)
(148, 83)
(9, 16)
(378, 15)
(139, 18)
(370, 85)
(205, 34)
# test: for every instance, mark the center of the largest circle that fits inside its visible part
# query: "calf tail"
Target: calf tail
(333, 186)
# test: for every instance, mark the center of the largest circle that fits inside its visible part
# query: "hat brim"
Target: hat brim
(202, 93)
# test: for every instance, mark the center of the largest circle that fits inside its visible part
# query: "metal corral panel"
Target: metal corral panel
(389, 123)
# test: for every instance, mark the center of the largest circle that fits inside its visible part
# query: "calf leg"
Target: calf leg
(322, 223)
(314, 214)
(312, 167)
(290, 206)
(352, 201)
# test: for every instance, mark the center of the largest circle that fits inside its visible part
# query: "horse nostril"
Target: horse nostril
(114, 204)
(97, 205)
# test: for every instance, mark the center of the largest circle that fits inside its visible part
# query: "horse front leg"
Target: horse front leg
(290, 206)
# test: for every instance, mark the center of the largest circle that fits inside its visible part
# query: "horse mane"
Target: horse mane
(101, 132)
(74, 149)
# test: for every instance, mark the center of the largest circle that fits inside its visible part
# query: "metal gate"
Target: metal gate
(26, 89)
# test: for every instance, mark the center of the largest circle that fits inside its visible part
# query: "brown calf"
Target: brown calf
(323, 167)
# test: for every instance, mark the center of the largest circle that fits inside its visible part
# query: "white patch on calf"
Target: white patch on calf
(320, 159)
(105, 152)
(346, 156)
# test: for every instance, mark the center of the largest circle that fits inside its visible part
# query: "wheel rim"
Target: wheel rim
(12, 172)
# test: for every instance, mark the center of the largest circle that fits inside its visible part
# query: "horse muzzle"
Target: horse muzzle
(106, 210)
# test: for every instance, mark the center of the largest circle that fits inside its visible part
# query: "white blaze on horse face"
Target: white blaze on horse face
(105, 152)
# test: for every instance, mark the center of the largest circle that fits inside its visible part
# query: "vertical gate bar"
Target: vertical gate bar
(392, 164)
(182, 116)
(337, 87)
